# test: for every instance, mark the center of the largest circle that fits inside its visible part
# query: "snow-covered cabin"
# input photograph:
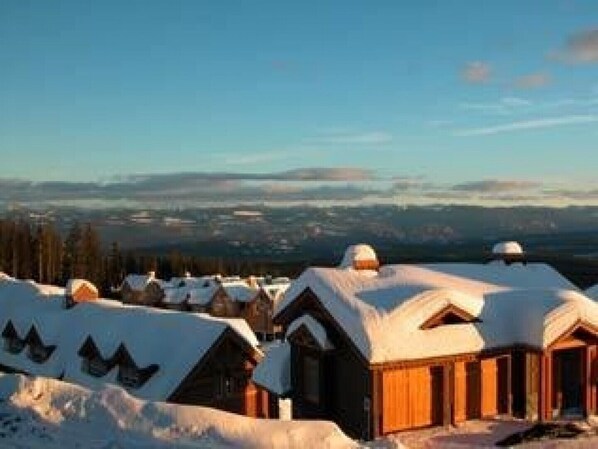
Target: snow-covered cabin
(155, 354)
(142, 289)
(380, 349)
(260, 310)
(80, 290)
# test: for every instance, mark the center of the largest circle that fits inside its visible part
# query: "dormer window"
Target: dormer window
(450, 315)
(38, 351)
(96, 366)
(92, 361)
(129, 376)
(12, 342)
(132, 377)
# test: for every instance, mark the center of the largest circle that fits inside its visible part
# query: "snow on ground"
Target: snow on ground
(38, 413)
(41, 413)
(478, 434)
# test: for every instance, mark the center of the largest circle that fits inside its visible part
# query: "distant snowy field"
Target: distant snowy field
(40, 413)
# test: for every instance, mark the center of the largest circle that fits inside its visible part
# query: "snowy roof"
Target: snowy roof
(383, 313)
(175, 295)
(507, 248)
(138, 282)
(316, 330)
(240, 290)
(203, 295)
(275, 291)
(592, 292)
(174, 341)
(75, 284)
(274, 371)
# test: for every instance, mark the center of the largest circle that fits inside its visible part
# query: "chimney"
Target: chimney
(360, 257)
(508, 252)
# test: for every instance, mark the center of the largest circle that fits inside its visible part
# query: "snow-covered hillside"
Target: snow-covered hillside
(49, 414)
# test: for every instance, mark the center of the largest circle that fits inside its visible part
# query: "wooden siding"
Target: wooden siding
(222, 379)
(258, 314)
(411, 397)
(489, 387)
(460, 407)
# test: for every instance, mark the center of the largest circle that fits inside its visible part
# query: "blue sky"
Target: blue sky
(426, 93)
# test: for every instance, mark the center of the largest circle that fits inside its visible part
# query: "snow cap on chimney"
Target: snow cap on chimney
(508, 252)
(360, 257)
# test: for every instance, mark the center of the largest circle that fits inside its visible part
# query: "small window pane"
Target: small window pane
(311, 379)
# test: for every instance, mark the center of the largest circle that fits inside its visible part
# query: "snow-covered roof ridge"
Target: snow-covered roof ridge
(316, 330)
(383, 314)
(274, 371)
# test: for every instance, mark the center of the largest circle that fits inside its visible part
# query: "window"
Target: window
(225, 386)
(12, 342)
(311, 379)
(128, 376)
(39, 353)
(95, 366)
(14, 345)
(449, 316)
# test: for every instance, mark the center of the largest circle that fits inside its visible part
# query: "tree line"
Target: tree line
(45, 254)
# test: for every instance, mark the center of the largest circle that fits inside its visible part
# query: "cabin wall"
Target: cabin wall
(223, 380)
(442, 392)
(223, 306)
(84, 293)
(346, 381)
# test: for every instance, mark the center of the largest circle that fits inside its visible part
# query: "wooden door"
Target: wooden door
(503, 380)
(473, 388)
(437, 396)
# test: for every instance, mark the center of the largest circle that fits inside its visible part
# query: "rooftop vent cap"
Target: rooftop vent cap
(360, 257)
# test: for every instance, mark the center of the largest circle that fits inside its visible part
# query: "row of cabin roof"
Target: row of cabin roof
(155, 354)
(380, 349)
(253, 298)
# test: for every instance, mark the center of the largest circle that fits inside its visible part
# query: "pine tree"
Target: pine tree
(72, 260)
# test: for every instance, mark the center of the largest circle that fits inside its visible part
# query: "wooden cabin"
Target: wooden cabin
(79, 290)
(260, 310)
(152, 353)
(410, 346)
(142, 289)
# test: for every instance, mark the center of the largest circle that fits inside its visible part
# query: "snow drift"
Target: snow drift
(50, 414)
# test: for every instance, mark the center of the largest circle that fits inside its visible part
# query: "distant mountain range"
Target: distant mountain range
(298, 232)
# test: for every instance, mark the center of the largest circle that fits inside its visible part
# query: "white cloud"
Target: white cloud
(368, 138)
(503, 106)
(529, 124)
